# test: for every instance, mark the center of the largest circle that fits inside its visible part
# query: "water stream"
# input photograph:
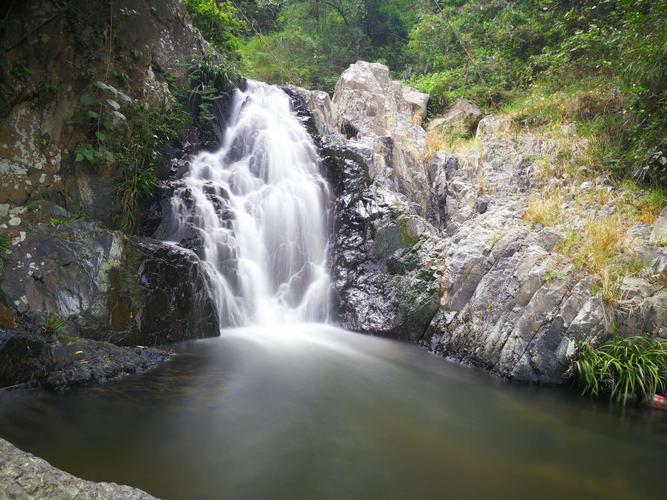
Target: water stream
(260, 207)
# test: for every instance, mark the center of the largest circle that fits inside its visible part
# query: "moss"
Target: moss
(408, 239)
(403, 264)
(125, 292)
(5, 249)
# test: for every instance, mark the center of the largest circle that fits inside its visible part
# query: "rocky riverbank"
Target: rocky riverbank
(437, 247)
(24, 476)
(75, 282)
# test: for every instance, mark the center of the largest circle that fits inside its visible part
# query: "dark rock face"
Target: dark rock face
(60, 362)
(378, 266)
(80, 361)
(23, 475)
(177, 301)
(23, 358)
(383, 283)
(109, 286)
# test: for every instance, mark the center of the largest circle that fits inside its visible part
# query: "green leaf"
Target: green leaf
(113, 104)
(93, 114)
(86, 100)
(77, 117)
(119, 115)
(101, 136)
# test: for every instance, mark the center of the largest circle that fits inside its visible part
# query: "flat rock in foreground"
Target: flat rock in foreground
(24, 476)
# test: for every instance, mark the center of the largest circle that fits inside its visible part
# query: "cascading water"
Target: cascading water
(258, 211)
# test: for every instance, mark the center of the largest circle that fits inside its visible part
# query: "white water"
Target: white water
(260, 206)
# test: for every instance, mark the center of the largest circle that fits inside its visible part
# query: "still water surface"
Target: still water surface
(314, 412)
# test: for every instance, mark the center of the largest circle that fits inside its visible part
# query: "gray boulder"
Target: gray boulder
(109, 286)
(24, 476)
(460, 120)
(384, 117)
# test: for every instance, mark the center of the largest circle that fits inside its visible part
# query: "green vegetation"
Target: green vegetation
(621, 368)
(142, 150)
(130, 133)
(209, 78)
(5, 248)
(599, 63)
(53, 324)
(310, 42)
(219, 24)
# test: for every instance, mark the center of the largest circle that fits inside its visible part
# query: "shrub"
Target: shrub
(623, 367)
(209, 78)
(218, 23)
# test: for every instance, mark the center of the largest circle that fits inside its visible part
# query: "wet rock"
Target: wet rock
(23, 358)
(78, 362)
(24, 476)
(109, 286)
(59, 362)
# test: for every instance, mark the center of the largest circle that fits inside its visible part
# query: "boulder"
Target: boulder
(460, 120)
(23, 475)
(109, 286)
(659, 233)
(59, 362)
(384, 116)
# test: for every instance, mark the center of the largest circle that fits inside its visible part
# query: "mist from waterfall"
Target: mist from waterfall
(258, 211)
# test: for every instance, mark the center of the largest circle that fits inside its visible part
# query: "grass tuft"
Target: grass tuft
(546, 209)
(621, 368)
(53, 324)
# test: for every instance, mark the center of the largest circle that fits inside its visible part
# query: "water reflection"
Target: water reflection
(308, 411)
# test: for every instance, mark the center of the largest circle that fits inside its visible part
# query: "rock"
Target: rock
(24, 476)
(78, 362)
(38, 134)
(109, 286)
(460, 120)
(464, 276)
(23, 358)
(318, 104)
(381, 284)
(493, 126)
(659, 233)
(384, 116)
(60, 362)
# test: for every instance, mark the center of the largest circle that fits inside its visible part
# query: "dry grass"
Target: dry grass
(545, 209)
(602, 240)
(576, 142)
(598, 249)
(437, 141)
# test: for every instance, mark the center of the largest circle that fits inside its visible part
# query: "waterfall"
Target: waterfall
(256, 211)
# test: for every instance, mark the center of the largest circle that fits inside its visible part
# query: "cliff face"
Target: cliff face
(74, 76)
(436, 248)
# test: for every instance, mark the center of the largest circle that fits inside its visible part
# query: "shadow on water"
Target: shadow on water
(311, 411)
